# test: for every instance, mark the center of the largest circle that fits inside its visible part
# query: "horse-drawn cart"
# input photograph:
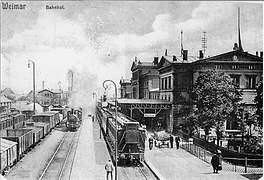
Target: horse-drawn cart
(161, 138)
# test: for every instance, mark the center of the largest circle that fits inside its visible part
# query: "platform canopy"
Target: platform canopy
(143, 104)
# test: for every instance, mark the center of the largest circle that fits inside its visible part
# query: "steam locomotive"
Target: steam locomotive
(130, 136)
(74, 118)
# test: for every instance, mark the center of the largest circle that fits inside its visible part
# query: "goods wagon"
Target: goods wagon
(28, 113)
(45, 118)
(19, 121)
(23, 137)
(8, 154)
(130, 136)
(44, 126)
(38, 133)
(62, 111)
(54, 115)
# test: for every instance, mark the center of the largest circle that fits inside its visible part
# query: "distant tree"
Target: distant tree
(259, 103)
(216, 99)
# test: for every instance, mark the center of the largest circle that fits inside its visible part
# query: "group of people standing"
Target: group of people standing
(177, 141)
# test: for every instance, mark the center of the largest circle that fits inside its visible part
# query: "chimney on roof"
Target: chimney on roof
(135, 58)
(166, 52)
(185, 55)
(201, 54)
(261, 54)
(256, 53)
(174, 58)
(156, 60)
(42, 85)
(235, 48)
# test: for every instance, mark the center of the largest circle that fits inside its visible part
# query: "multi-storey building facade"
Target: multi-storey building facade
(144, 78)
(175, 76)
(245, 69)
(178, 75)
(125, 88)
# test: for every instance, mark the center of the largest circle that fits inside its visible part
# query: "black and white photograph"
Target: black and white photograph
(131, 90)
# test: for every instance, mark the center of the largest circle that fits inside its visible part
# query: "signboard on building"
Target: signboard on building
(149, 115)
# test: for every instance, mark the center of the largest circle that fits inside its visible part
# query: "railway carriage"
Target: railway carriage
(130, 136)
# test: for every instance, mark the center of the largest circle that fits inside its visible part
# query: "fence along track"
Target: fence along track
(54, 155)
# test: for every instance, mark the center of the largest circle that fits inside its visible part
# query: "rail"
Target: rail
(56, 153)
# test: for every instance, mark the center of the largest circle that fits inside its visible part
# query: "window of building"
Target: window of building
(250, 81)
(162, 83)
(236, 80)
(165, 82)
(169, 81)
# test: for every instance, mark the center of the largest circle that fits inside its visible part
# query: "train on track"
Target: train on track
(130, 136)
(21, 132)
(74, 119)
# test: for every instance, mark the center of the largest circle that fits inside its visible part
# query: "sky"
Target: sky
(99, 40)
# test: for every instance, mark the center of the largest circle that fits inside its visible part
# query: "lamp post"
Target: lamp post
(116, 148)
(59, 83)
(34, 97)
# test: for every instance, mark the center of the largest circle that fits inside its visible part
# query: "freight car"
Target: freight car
(49, 117)
(19, 121)
(62, 111)
(38, 133)
(44, 126)
(8, 154)
(55, 116)
(23, 137)
(12, 121)
(130, 136)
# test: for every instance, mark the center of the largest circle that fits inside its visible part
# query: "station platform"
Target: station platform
(170, 164)
(166, 163)
(91, 154)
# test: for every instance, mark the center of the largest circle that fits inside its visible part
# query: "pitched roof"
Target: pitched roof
(4, 99)
(241, 57)
(139, 64)
(179, 59)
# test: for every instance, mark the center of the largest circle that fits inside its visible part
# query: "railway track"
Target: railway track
(139, 172)
(60, 165)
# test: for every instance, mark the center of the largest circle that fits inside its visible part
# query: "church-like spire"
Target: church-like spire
(239, 38)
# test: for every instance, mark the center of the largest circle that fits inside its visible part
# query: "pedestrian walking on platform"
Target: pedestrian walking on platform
(177, 141)
(109, 169)
(150, 142)
(216, 161)
(171, 141)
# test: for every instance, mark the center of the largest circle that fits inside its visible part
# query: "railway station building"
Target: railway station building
(170, 79)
